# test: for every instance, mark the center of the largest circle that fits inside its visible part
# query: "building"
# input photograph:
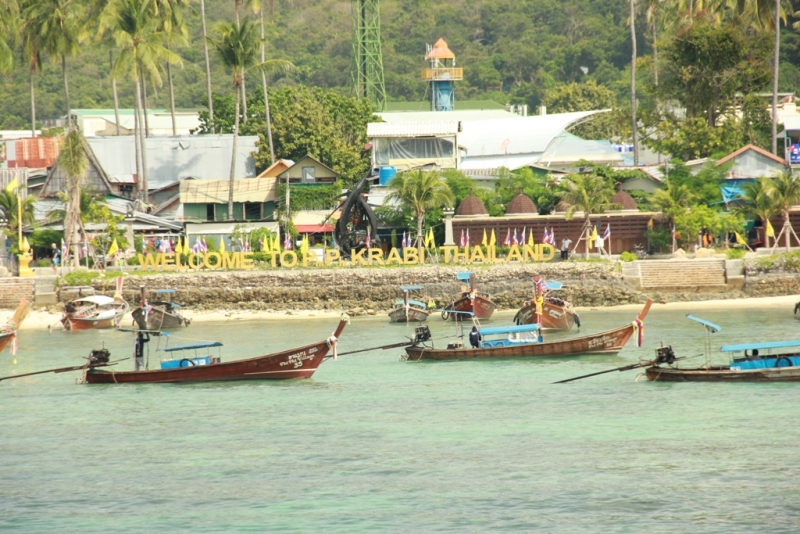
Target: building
(308, 171)
(103, 122)
(207, 200)
(276, 168)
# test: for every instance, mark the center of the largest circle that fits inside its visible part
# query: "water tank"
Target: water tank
(386, 174)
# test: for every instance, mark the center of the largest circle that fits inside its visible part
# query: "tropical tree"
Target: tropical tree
(9, 203)
(74, 162)
(635, 137)
(176, 32)
(420, 191)
(756, 203)
(140, 38)
(208, 64)
(9, 26)
(784, 190)
(673, 201)
(57, 23)
(32, 55)
(587, 193)
(238, 47)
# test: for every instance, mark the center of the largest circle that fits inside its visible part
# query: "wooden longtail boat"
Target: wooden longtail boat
(8, 333)
(557, 314)
(299, 362)
(469, 301)
(408, 310)
(797, 311)
(781, 363)
(608, 342)
(161, 314)
(95, 311)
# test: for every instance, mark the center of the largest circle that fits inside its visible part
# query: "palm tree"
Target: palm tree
(139, 36)
(419, 192)
(58, 25)
(784, 190)
(74, 162)
(672, 201)
(9, 204)
(756, 203)
(9, 25)
(633, 89)
(169, 12)
(32, 54)
(238, 49)
(589, 194)
(208, 65)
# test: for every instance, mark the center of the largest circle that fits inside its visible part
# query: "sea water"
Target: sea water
(374, 444)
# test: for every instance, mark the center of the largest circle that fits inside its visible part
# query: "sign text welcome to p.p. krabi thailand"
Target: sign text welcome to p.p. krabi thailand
(451, 255)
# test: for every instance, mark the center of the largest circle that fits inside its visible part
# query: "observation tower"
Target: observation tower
(441, 75)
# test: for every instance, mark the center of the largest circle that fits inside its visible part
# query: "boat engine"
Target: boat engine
(421, 333)
(665, 355)
(99, 357)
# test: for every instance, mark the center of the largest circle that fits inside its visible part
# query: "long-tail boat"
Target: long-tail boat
(469, 300)
(556, 313)
(408, 310)
(522, 342)
(797, 311)
(8, 332)
(298, 362)
(95, 311)
(771, 361)
(159, 314)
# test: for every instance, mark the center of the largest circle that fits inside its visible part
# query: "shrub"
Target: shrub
(627, 256)
(78, 278)
(735, 253)
(43, 262)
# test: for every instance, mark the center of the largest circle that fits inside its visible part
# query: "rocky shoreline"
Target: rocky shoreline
(367, 291)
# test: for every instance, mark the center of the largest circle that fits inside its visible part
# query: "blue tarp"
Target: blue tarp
(555, 286)
(761, 346)
(193, 346)
(764, 363)
(463, 276)
(732, 189)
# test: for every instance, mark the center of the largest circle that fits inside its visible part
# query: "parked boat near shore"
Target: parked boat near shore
(520, 343)
(8, 332)
(556, 314)
(470, 301)
(160, 314)
(95, 311)
(408, 310)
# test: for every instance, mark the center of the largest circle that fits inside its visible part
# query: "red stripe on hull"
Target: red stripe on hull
(86, 324)
(482, 307)
(554, 317)
(5, 340)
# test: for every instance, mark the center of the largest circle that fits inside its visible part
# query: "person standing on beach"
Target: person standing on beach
(55, 257)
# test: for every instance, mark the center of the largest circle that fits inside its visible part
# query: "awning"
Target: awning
(314, 228)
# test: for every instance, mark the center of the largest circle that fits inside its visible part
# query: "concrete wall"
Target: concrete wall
(12, 289)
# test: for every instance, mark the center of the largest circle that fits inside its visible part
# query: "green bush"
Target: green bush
(735, 253)
(78, 278)
(134, 260)
(627, 256)
(43, 262)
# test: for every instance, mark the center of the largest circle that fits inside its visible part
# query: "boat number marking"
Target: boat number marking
(605, 341)
(296, 360)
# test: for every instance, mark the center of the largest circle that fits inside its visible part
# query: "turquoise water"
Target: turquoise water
(374, 444)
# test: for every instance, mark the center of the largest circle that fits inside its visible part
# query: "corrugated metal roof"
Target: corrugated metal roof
(791, 122)
(411, 129)
(33, 152)
(443, 116)
(216, 191)
(203, 157)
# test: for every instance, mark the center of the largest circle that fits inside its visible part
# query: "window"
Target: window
(209, 212)
(309, 175)
(252, 211)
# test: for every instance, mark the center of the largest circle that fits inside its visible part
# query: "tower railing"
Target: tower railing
(443, 73)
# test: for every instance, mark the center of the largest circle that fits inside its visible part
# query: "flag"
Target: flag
(770, 230)
(485, 241)
(409, 242)
(593, 237)
(403, 241)
(739, 239)
(507, 242)
(467, 236)
(222, 244)
(514, 239)
(522, 237)
(276, 242)
(287, 242)
(114, 247)
(203, 245)
(304, 244)
(429, 242)
(650, 224)
(367, 242)
(197, 247)
(64, 248)
(530, 238)
(492, 239)
(546, 237)
(607, 233)
(13, 184)
(462, 242)
(552, 236)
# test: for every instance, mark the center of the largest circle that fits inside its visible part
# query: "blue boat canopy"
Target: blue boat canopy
(193, 346)
(410, 288)
(164, 291)
(760, 346)
(410, 302)
(711, 326)
(498, 330)
(463, 276)
(555, 286)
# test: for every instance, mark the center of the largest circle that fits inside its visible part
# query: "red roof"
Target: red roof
(36, 152)
(314, 228)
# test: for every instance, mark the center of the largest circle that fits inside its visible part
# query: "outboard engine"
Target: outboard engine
(665, 355)
(99, 357)
(421, 334)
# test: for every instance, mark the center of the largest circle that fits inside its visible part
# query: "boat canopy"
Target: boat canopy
(463, 276)
(711, 326)
(498, 330)
(410, 288)
(410, 302)
(193, 346)
(554, 286)
(164, 291)
(760, 346)
(100, 300)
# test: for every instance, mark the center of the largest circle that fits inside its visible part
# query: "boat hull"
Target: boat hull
(398, 315)
(300, 362)
(554, 317)
(482, 307)
(158, 319)
(723, 374)
(5, 340)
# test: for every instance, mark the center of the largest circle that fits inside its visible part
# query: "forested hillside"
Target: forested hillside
(511, 50)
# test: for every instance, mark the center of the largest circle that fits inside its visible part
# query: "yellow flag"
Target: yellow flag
(485, 241)
(650, 224)
(592, 237)
(492, 239)
(739, 239)
(530, 238)
(770, 230)
(429, 243)
(13, 184)
(114, 247)
(221, 244)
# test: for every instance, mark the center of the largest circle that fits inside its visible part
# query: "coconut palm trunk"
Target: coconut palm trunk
(266, 94)
(208, 65)
(66, 88)
(420, 220)
(171, 98)
(33, 106)
(633, 84)
(114, 90)
(137, 147)
(775, 68)
(233, 155)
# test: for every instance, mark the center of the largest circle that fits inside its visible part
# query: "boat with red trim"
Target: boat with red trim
(470, 301)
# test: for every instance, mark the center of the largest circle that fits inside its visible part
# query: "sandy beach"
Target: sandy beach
(39, 319)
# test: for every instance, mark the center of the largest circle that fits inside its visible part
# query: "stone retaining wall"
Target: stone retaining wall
(12, 289)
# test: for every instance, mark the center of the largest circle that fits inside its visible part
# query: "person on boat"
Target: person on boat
(431, 304)
(475, 338)
(472, 294)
